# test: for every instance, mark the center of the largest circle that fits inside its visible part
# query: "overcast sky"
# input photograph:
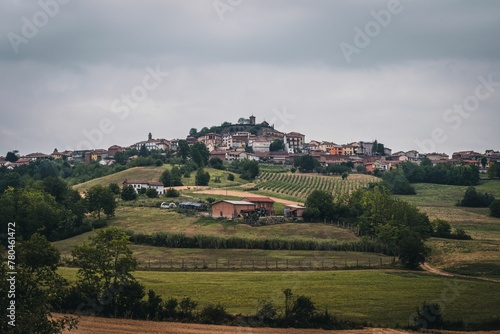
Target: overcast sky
(419, 75)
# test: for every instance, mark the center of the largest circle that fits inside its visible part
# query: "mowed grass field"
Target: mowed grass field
(151, 173)
(379, 297)
(480, 256)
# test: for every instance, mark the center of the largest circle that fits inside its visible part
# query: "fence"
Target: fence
(270, 264)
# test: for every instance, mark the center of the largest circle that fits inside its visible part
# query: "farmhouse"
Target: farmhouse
(262, 202)
(137, 185)
(231, 209)
(294, 211)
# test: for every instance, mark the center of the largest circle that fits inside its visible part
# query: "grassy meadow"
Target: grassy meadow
(379, 297)
(153, 173)
(480, 256)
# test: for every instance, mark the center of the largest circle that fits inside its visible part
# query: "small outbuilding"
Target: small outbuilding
(293, 210)
(262, 202)
(231, 209)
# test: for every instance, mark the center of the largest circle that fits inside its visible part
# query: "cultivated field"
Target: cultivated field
(382, 298)
(477, 257)
(298, 186)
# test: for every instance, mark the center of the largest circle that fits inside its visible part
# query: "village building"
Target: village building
(138, 185)
(262, 202)
(231, 209)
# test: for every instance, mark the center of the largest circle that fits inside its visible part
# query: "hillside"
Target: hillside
(153, 174)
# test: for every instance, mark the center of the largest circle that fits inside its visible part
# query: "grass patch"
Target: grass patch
(379, 297)
(485, 269)
(153, 173)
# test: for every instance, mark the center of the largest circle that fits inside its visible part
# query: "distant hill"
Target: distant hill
(154, 173)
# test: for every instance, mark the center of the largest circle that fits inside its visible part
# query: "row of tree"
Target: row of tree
(450, 174)
(397, 224)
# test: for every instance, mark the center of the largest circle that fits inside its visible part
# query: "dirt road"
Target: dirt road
(88, 325)
(428, 268)
(123, 326)
(243, 194)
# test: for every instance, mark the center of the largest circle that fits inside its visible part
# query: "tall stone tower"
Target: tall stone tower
(252, 120)
(150, 136)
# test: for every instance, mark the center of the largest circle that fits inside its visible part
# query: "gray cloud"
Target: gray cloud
(263, 56)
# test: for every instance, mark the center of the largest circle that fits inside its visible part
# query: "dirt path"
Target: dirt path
(87, 325)
(244, 194)
(428, 268)
(125, 326)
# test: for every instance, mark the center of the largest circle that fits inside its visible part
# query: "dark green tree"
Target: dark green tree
(277, 146)
(128, 193)
(199, 154)
(306, 163)
(99, 199)
(120, 158)
(143, 152)
(202, 177)
(151, 193)
(105, 277)
(11, 156)
(193, 132)
(38, 286)
(216, 163)
(183, 150)
(319, 205)
(115, 189)
(495, 208)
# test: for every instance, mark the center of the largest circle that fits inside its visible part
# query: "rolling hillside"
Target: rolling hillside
(153, 174)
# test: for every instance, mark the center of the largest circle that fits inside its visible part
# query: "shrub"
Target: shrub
(128, 193)
(142, 191)
(158, 162)
(441, 228)
(293, 169)
(171, 192)
(428, 316)
(495, 208)
(230, 177)
(213, 314)
(210, 200)
(151, 193)
(476, 200)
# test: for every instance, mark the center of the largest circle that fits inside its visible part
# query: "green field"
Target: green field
(480, 256)
(154, 173)
(378, 297)
(298, 186)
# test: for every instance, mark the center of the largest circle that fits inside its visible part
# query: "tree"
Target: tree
(151, 193)
(484, 162)
(319, 204)
(183, 149)
(115, 189)
(429, 316)
(143, 152)
(11, 157)
(202, 177)
(216, 163)
(277, 146)
(345, 175)
(120, 158)
(105, 277)
(99, 199)
(171, 192)
(230, 177)
(306, 163)
(128, 193)
(200, 154)
(38, 285)
(442, 228)
(494, 170)
(171, 178)
(474, 199)
(193, 132)
(495, 208)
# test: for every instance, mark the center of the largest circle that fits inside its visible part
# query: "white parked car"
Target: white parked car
(168, 205)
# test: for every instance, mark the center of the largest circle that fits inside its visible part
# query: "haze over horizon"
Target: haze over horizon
(414, 75)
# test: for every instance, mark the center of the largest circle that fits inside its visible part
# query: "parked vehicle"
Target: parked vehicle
(168, 205)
